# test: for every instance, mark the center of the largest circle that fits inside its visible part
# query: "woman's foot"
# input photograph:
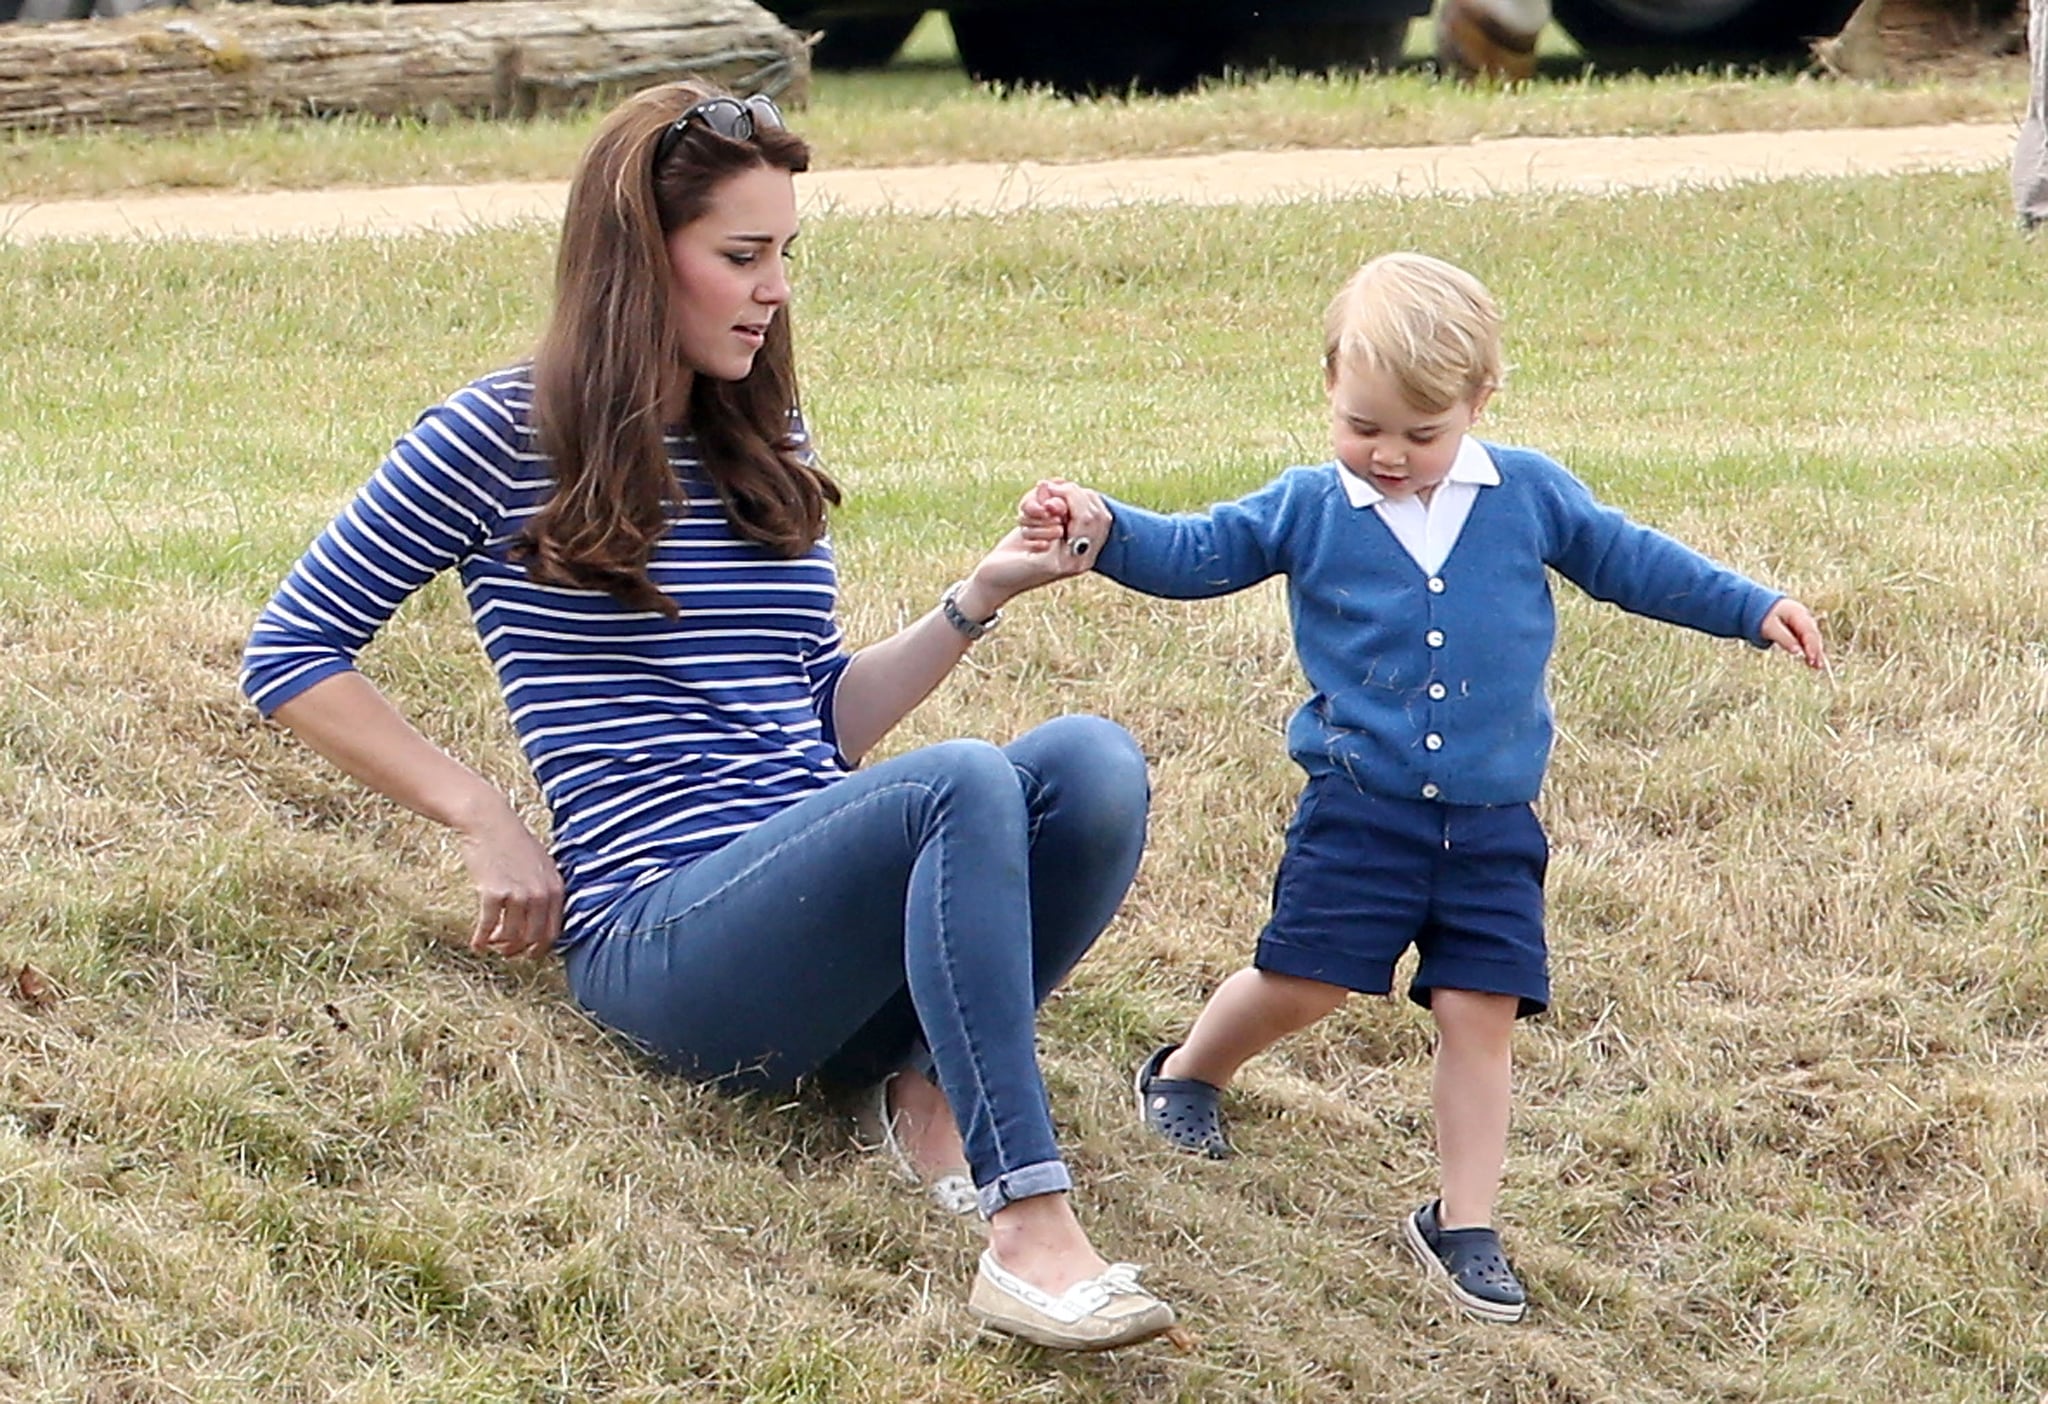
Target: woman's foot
(1042, 1281)
(1041, 1241)
(925, 1131)
(1106, 1311)
(908, 1119)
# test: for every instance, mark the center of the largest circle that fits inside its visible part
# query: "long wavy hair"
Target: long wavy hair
(610, 368)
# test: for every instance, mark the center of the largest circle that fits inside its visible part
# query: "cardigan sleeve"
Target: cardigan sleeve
(1644, 571)
(1199, 555)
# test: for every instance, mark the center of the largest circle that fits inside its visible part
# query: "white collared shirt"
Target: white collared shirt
(1428, 530)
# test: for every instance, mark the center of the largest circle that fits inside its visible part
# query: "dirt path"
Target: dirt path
(1501, 167)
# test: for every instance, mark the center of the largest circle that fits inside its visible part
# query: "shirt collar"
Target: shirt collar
(1472, 465)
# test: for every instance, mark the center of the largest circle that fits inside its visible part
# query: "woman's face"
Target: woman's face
(730, 271)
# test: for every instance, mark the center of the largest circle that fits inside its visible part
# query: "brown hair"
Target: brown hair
(1429, 324)
(609, 364)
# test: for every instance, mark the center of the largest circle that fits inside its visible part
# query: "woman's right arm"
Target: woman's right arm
(519, 890)
(433, 501)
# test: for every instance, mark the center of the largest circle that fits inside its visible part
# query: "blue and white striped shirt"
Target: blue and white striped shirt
(655, 740)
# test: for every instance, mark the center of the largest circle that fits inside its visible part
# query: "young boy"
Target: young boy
(1418, 589)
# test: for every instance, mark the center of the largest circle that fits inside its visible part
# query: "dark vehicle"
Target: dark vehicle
(1700, 30)
(1076, 46)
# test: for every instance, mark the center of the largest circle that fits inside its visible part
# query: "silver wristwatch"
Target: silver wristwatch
(949, 605)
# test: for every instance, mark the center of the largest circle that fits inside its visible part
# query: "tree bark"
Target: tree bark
(240, 63)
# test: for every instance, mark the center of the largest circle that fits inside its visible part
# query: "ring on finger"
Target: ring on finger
(1079, 545)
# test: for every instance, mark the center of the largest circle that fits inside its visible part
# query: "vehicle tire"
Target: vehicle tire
(1695, 31)
(1309, 46)
(1077, 49)
(852, 41)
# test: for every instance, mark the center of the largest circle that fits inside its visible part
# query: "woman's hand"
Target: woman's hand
(519, 890)
(1060, 525)
(1790, 625)
(518, 887)
(1057, 512)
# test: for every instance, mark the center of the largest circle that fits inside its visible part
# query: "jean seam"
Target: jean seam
(973, 1048)
(672, 919)
(1035, 806)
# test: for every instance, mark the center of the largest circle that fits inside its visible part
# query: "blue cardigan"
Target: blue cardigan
(1430, 687)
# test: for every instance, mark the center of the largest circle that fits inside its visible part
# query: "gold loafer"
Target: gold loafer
(1101, 1313)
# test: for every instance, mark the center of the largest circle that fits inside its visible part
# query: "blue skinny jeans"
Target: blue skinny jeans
(913, 915)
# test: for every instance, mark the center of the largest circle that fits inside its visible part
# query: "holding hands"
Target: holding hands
(1059, 527)
(1063, 515)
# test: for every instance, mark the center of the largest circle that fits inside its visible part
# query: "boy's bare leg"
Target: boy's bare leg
(1471, 1092)
(1249, 1013)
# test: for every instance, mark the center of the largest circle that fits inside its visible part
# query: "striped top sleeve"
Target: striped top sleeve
(655, 739)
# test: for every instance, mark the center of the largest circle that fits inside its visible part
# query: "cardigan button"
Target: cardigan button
(1434, 638)
(1430, 790)
(1433, 741)
(1437, 692)
(1436, 584)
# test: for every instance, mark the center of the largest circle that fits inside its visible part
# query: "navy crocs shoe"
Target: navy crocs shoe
(1185, 1110)
(1469, 1263)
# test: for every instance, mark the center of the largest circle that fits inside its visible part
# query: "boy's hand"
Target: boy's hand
(1059, 527)
(1790, 625)
(1059, 513)
(1042, 517)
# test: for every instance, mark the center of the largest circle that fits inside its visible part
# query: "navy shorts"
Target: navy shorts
(1366, 876)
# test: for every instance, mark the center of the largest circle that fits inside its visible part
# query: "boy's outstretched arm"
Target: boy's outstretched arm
(1191, 555)
(1791, 626)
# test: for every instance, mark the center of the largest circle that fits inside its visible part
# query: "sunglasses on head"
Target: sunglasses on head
(735, 119)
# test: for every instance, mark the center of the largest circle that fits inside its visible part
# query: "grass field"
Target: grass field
(266, 1135)
(924, 110)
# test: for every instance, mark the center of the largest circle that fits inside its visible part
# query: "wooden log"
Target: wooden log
(510, 58)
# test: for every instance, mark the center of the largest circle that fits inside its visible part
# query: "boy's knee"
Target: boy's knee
(1472, 1015)
(1302, 998)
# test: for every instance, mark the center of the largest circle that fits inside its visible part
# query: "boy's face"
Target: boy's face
(1378, 435)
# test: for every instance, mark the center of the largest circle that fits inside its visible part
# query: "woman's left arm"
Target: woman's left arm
(883, 682)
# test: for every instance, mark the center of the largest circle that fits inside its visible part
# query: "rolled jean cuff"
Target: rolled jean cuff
(1046, 1177)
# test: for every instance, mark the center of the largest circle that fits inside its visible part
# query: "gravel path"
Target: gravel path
(1507, 166)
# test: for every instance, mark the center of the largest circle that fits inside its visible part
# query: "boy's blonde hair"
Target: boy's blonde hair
(1433, 327)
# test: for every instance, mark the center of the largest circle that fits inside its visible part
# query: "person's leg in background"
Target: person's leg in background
(2030, 151)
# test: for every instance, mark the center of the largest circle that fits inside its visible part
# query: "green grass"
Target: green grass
(1778, 1140)
(923, 110)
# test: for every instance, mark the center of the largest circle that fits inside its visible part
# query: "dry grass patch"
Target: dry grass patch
(265, 1132)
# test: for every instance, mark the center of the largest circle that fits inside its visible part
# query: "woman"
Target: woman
(639, 527)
